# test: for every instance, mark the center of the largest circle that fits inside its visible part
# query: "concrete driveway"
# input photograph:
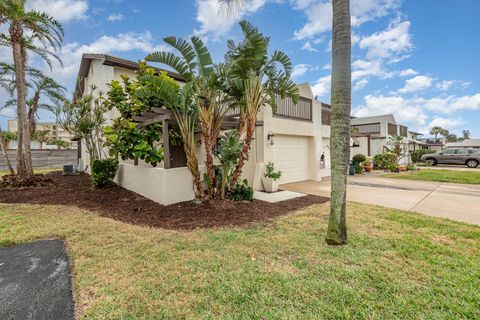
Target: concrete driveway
(459, 202)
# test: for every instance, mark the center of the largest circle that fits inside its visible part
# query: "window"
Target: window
(450, 151)
(464, 151)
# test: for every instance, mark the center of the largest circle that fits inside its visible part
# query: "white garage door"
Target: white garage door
(290, 155)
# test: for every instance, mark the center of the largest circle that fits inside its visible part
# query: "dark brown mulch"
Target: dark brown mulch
(123, 205)
(13, 181)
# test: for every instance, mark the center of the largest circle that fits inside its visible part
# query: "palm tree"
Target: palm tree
(255, 79)
(436, 131)
(25, 29)
(194, 64)
(41, 136)
(466, 134)
(49, 88)
(5, 138)
(340, 122)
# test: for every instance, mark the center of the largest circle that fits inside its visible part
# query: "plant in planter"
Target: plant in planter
(393, 167)
(270, 178)
(358, 159)
(367, 164)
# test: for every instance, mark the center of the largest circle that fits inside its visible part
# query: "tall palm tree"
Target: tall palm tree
(195, 66)
(340, 121)
(255, 79)
(25, 29)
(5, 138)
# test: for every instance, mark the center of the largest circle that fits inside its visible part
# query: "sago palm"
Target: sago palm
(255, 79)
(24, 29)
(194, 64)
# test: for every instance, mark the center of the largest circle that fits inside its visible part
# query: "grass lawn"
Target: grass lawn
(469, 177)
(36, 171)
(398, 265)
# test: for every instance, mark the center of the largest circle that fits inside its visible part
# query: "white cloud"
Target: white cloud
(415, 111)
(299, 70)
(216, 20)
(392, 44)
(115, 17)
(62, 10)
(321, 87)
(319, 14)
(359, 85)
(417, 83)
(308, 46)
(407, 72)
(446, 123)
(71, 53)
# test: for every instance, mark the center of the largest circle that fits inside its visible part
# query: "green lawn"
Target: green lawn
(469, 177)
(398, 265)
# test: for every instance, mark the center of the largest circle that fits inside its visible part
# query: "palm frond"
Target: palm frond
(205, 63)
(176, 63)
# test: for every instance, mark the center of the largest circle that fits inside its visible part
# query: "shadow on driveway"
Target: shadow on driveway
(35, 281)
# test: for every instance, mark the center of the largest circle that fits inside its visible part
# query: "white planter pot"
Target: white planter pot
(269, 185)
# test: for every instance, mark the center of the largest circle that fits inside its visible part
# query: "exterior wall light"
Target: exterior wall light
(270, 136)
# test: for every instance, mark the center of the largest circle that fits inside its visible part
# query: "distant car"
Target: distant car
(469, 157)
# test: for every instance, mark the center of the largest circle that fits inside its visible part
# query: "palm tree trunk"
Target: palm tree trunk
(4, 145)
(340, 124)
(32, 111)
(21, 108)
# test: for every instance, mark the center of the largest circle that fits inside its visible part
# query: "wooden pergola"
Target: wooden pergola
(167, 118)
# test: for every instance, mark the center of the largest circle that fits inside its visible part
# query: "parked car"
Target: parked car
(469, 157)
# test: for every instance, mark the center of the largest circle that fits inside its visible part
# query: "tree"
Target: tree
(340, 121)
(398, 146)
(41, 136)
(452, 137)
(194, 64)
(28, 31)
(84, 118)
(435, 131)
(254, 79)
(5, 138)
(466, 134)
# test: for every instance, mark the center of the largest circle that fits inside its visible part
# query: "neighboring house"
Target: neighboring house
(295, 138)
(434, 144)
(55, 131)
(467, 143)
(370, 135)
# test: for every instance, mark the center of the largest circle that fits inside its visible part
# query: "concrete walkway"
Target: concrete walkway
(459, 202)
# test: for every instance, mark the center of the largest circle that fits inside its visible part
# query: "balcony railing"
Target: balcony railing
(368, 128)
(288, 110)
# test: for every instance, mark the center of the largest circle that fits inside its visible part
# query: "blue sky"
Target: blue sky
(415, 59)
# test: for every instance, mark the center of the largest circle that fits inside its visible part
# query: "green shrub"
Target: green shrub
(358, 159)
(410, 167)
(103, 172)
(358, 169)
(417, 154)
(271, 173)
(242, 192)
(393, 167)
(384, 160)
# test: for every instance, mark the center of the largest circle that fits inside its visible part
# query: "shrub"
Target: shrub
(358, 169)
(410, 167)
(417, 154)
(384, 160)
(103, 172)
(242, 192)
(358, 159)
(270, 173)
(393, 167)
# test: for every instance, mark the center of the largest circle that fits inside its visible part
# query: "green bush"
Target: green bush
(358, 169)
(410, 167)
(103, 172)
(384, 160)
(358, 159)
(270, 173)
(417, 154)
(393, 167)
(242, 192)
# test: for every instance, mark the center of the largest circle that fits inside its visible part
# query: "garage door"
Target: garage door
(290, 154)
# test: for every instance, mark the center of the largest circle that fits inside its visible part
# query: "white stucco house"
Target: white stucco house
(295, 138)
(370, 135)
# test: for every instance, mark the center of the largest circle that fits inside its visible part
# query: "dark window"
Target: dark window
(326, 117)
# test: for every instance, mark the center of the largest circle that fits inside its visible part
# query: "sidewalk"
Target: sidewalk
(447, 200)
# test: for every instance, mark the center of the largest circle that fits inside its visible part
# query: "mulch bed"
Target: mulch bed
(126, 206)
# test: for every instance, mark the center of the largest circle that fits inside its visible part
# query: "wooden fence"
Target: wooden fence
(43, 158)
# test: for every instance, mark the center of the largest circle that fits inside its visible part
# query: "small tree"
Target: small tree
(436, 131)
(84, 118)
(466, 134)
(398, 147)
(41, 136)
(5, 138)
